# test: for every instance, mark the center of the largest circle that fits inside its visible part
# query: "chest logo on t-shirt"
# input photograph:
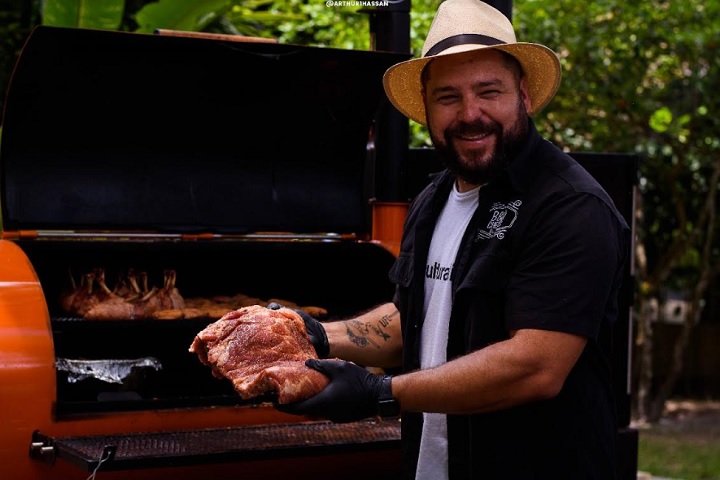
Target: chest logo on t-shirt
(503, 216)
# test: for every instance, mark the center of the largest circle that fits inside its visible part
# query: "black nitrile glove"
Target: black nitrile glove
(352, 394)
(314, 329)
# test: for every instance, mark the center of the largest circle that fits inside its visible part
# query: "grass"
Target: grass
(684, 445)
(676, 456)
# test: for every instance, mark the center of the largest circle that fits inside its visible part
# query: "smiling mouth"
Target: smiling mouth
(473, 138)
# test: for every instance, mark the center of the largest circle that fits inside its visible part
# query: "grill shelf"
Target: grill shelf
(196, 447)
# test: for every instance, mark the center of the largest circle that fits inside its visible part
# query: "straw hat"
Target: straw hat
(464, 25)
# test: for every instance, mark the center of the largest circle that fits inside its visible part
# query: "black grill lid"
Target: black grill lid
(124, 131)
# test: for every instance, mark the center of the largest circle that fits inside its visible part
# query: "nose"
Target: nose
(470, 110)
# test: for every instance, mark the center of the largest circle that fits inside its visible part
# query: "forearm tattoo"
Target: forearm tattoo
(364, 334)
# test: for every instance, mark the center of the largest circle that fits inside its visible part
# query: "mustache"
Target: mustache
(477, 127)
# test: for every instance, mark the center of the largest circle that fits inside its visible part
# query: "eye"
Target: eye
(490, 93)
(446, 98)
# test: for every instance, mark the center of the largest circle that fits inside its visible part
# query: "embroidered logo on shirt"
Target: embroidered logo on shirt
(503, 218)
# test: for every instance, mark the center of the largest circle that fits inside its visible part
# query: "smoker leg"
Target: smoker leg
(627, 454)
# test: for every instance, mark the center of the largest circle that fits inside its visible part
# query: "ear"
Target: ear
(527, 101)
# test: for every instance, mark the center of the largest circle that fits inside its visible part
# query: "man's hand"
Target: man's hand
(315, 331)
(351, 395)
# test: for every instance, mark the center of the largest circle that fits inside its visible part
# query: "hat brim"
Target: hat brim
(403, 84)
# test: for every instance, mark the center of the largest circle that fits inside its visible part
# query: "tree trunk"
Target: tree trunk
(644, 335)
(644, 342)
(708, 272)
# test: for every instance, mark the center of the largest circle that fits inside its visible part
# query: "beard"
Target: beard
(477, 167)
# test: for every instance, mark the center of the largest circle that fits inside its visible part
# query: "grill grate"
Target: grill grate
(194, 447)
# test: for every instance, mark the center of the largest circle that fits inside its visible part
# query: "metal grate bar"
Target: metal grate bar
(194, 447)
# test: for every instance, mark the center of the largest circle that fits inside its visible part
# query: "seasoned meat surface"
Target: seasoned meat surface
(261, 350)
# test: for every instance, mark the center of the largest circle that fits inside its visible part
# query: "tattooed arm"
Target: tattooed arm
(372, 339)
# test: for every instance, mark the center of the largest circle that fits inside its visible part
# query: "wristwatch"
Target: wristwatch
(388, 405)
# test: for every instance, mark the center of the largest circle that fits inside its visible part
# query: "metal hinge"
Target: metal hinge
(42, 448)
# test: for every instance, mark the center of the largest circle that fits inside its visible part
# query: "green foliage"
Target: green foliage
(639, 77)
(315, 24)
(420, 20)
(187, 15)
(259, 18)
(105, 15)
(661, 119)
(239, 17)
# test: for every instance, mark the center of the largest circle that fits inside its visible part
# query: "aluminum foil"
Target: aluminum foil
(109, 370)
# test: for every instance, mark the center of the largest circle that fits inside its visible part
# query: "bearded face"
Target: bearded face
(478, 166)
(476, 105)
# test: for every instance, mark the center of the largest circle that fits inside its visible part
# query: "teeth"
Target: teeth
(474, 137)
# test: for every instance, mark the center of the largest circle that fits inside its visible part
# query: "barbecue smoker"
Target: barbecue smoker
(243, 168)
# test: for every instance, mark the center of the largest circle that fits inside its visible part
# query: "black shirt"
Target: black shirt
(544, 250)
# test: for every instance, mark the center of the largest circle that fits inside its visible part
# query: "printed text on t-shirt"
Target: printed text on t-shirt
(438, 272)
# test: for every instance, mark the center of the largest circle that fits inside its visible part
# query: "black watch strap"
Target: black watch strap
(388, 405)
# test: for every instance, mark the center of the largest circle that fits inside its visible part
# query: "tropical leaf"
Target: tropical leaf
(186, 15)
(98, 14)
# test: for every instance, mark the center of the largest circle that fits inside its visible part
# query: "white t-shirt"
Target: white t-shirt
(449, 230)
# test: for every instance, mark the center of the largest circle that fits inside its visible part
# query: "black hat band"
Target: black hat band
(462, 39)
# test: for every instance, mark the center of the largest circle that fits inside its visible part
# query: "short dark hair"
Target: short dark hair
(513, 64)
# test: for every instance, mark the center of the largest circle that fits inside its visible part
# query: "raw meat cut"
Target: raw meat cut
(261, 351)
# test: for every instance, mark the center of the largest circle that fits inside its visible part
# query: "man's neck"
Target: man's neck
(463, 186)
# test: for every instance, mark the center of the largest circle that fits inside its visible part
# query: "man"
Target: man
(507, 279)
